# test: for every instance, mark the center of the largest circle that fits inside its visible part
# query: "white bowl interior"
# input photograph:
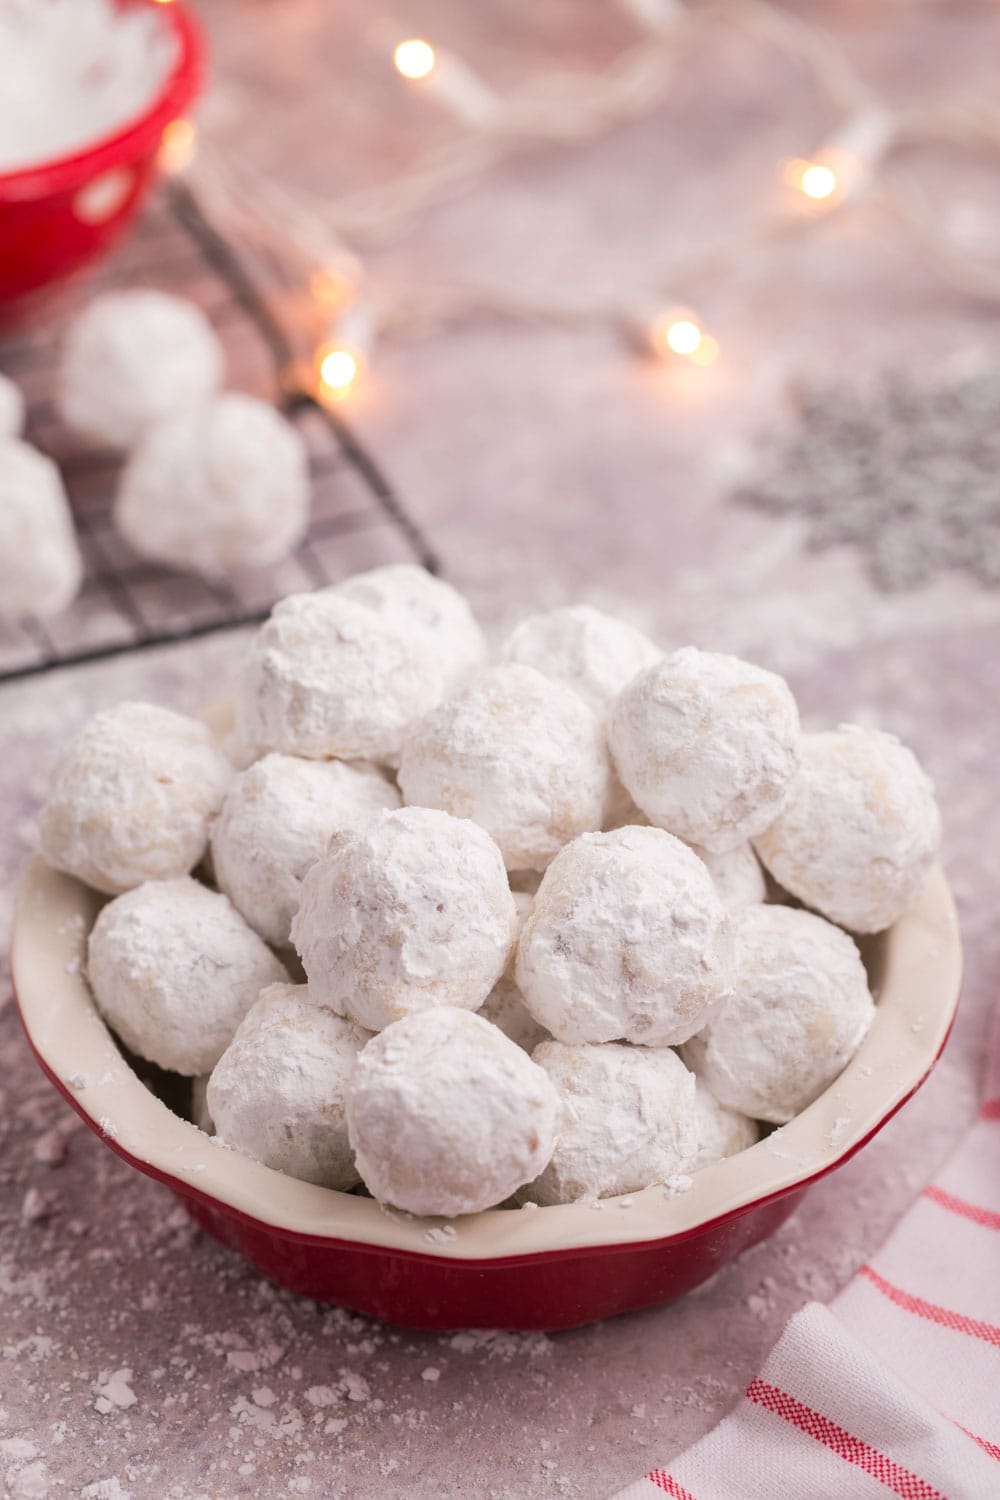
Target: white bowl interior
(916, 974)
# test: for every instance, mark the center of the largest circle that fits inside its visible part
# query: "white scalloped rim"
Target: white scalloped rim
(917, 990)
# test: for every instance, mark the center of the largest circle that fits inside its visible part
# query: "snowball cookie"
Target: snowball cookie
(721, 1132)
(447, 1116)
(40, 567)
(738, 877)
(859, 831)
(174, 969)
(278, 1092)
(520, 755)
(131, 357)
(276, 822)
(132, 797)
(327, 676)
(583, 648)
(11, 409)
(222, 486)
(409, 911)
(799, 1011)
(707, 745)
(432, 609)
(628, 1120)
(627, 940)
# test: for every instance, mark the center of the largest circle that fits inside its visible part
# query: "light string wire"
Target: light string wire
(310, 252)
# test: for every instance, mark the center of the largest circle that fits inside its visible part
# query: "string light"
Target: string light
(814, 179)
(677, 332)
(342, 361)
(448, 79)
(338, 370)
(414, 58)
(177, 144)
(323, 235)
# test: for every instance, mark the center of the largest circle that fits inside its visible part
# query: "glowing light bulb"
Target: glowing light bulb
(682, 336)
(677, 333)
(818, 181)
(414, 58)
(338, 370)
(814, 179)
(177, 143)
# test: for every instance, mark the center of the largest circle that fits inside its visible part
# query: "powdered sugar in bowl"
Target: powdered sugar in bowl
(79, 148)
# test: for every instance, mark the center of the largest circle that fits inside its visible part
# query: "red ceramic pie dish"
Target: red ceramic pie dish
(545, 1268)
(57, 217)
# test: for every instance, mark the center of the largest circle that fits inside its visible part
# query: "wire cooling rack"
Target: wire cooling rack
(128, 604)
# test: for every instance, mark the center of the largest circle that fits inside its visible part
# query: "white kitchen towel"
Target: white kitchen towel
(895, 1388)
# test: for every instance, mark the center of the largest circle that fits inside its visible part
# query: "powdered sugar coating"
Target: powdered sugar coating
(628, 1120)
(722, 1131)
(583, 648)
(216, 487)
(276, 822)
(738, 877)
(520, 755)
(279, 1090)
(504, 1005)
(431, 608)
(447, 1116)
(174, 969)
(132, 797)
(132, 357)
(799, 1011)
(40, 567)
(627, 939)
(707, 745)
(408, 912)
(327, 676)
(860, 829)
(11, 409)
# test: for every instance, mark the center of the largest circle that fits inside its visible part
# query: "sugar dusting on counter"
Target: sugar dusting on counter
(73, 71)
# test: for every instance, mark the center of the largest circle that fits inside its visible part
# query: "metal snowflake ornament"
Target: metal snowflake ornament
(908, 474)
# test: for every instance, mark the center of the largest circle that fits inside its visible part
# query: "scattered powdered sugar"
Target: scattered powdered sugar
(72, 71)
(114, 1391)
(441, 1234)
(37, 1206)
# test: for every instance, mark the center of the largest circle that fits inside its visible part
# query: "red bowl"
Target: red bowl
(517, 1268)
(57, 217)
